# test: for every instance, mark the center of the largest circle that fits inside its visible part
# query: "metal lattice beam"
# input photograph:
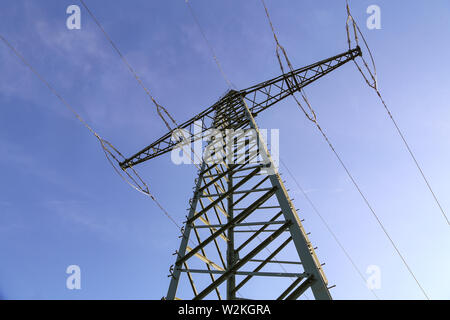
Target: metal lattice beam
(258, 98)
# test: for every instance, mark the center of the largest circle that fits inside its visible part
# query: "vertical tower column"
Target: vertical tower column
(231, 282)
(176, 273)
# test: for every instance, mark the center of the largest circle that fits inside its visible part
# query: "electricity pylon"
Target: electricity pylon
(239, 196)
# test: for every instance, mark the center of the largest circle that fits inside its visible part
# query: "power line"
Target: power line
(111, 153)
(372, 211)
(316, 211)
(159, 107)
(133, 179)
(374, 85)
(316, 123)
(134, 73)
(210, 47)
(311, 115)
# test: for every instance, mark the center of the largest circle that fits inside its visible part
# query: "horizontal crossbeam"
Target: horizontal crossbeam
(250, 273)
(241, 224)
(258, 98)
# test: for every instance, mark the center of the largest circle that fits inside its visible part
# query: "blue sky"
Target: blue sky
(61, 203)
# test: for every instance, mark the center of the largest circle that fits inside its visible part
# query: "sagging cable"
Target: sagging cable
(372, 74)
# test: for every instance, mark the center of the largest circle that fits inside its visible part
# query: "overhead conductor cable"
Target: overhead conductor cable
(374, 85)
(315, 121)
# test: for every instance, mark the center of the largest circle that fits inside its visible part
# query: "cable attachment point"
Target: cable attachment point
(354, 36)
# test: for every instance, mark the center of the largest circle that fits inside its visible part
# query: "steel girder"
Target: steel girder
(258, 98)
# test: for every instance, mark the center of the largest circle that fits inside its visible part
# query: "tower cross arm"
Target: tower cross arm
(258, 98)
(267, 93)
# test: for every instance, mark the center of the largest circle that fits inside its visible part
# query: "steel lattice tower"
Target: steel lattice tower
(242, 225)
